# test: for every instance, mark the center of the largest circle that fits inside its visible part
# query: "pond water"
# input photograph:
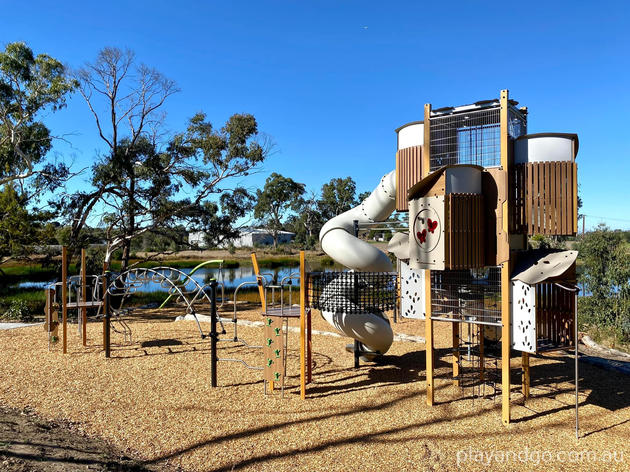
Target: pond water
(232, 277)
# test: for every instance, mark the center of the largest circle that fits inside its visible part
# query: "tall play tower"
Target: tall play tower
(476, 185)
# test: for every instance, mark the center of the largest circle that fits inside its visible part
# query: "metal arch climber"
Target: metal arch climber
(174, 280)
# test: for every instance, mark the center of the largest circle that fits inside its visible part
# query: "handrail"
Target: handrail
(133, 278)
(234, 317)
(199, 266)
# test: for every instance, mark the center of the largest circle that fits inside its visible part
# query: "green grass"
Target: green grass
(31, 272)
(34, 298)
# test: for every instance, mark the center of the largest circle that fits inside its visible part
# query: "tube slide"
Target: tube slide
(338, 241)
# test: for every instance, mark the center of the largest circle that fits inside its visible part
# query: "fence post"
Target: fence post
(107, 316)
(213, 333)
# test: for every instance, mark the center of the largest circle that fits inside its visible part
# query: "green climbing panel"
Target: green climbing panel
(273, 350)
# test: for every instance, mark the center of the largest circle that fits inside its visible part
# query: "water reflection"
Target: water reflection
(230, 277)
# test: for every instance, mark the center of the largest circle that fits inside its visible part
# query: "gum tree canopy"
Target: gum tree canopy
(29, 85)
(147, 180)
(279, 196)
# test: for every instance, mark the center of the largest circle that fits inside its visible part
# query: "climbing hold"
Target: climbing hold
(269, 341)
(269, 362)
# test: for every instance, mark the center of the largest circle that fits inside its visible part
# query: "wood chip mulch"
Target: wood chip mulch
(153, 401)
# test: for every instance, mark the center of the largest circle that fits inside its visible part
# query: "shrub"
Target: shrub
(19, 310)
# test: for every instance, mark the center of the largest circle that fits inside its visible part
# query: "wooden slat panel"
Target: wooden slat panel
(536, 198)
(528, 198)
(476, 222)
(557, 216)
(549, 199)
(462, 231)
(574, 197)
(458, 231)
(562, 206)
(545, 197)
(482, 232)
(569, 200)
(452, 230)
(408, 173)
(465, 214)
(552, 197)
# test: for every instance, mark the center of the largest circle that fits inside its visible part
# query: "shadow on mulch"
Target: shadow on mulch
(27, 443)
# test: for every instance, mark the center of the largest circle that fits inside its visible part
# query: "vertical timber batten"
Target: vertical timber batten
(505, 270)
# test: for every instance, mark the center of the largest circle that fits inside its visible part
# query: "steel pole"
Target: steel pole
(213, 333)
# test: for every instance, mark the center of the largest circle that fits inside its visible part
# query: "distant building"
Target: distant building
(249, 237)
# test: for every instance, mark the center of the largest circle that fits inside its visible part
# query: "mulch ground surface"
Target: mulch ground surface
(152, 401)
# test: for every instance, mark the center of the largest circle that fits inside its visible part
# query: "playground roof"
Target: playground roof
(541, 265)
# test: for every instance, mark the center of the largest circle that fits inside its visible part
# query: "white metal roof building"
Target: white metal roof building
(248, 238)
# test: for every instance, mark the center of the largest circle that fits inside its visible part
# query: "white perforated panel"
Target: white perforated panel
(412, 303)
(426, 233)
(523, 308)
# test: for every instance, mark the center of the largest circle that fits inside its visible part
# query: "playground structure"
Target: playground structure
(475, 185)
(108, 294)
(98, 292)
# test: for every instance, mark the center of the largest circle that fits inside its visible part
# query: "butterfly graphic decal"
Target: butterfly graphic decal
(422, 236)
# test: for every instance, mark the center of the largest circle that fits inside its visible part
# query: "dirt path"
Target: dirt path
(28, 443)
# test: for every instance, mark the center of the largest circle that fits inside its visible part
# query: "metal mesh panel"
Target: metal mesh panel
(517, 123)
(472, 137)
(472, 296)
(353, 292)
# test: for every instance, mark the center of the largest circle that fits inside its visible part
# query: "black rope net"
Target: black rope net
(353, 292)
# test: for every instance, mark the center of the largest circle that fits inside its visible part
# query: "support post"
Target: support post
(505, 343)
(482, 360)
(304, 357)
(261, 287)
(428, 323)
(106, 316)
(83, 298)
(525, 374)
(506, 267)
(357, 345)
(309, 348)
(577, 390)
(64, 296)
(213, 333)
(455, 328)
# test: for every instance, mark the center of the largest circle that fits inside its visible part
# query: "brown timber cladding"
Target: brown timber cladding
(408, 173)
(465, 231)
(544, 198)
(555, 311)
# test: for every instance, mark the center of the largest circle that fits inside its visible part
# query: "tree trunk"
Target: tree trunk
(124, 262)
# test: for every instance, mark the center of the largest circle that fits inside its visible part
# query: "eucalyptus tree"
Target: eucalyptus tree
(337, 196)
(279, 196)
(148, 180)
(30, 87)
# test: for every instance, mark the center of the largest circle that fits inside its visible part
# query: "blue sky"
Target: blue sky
(331, 80)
